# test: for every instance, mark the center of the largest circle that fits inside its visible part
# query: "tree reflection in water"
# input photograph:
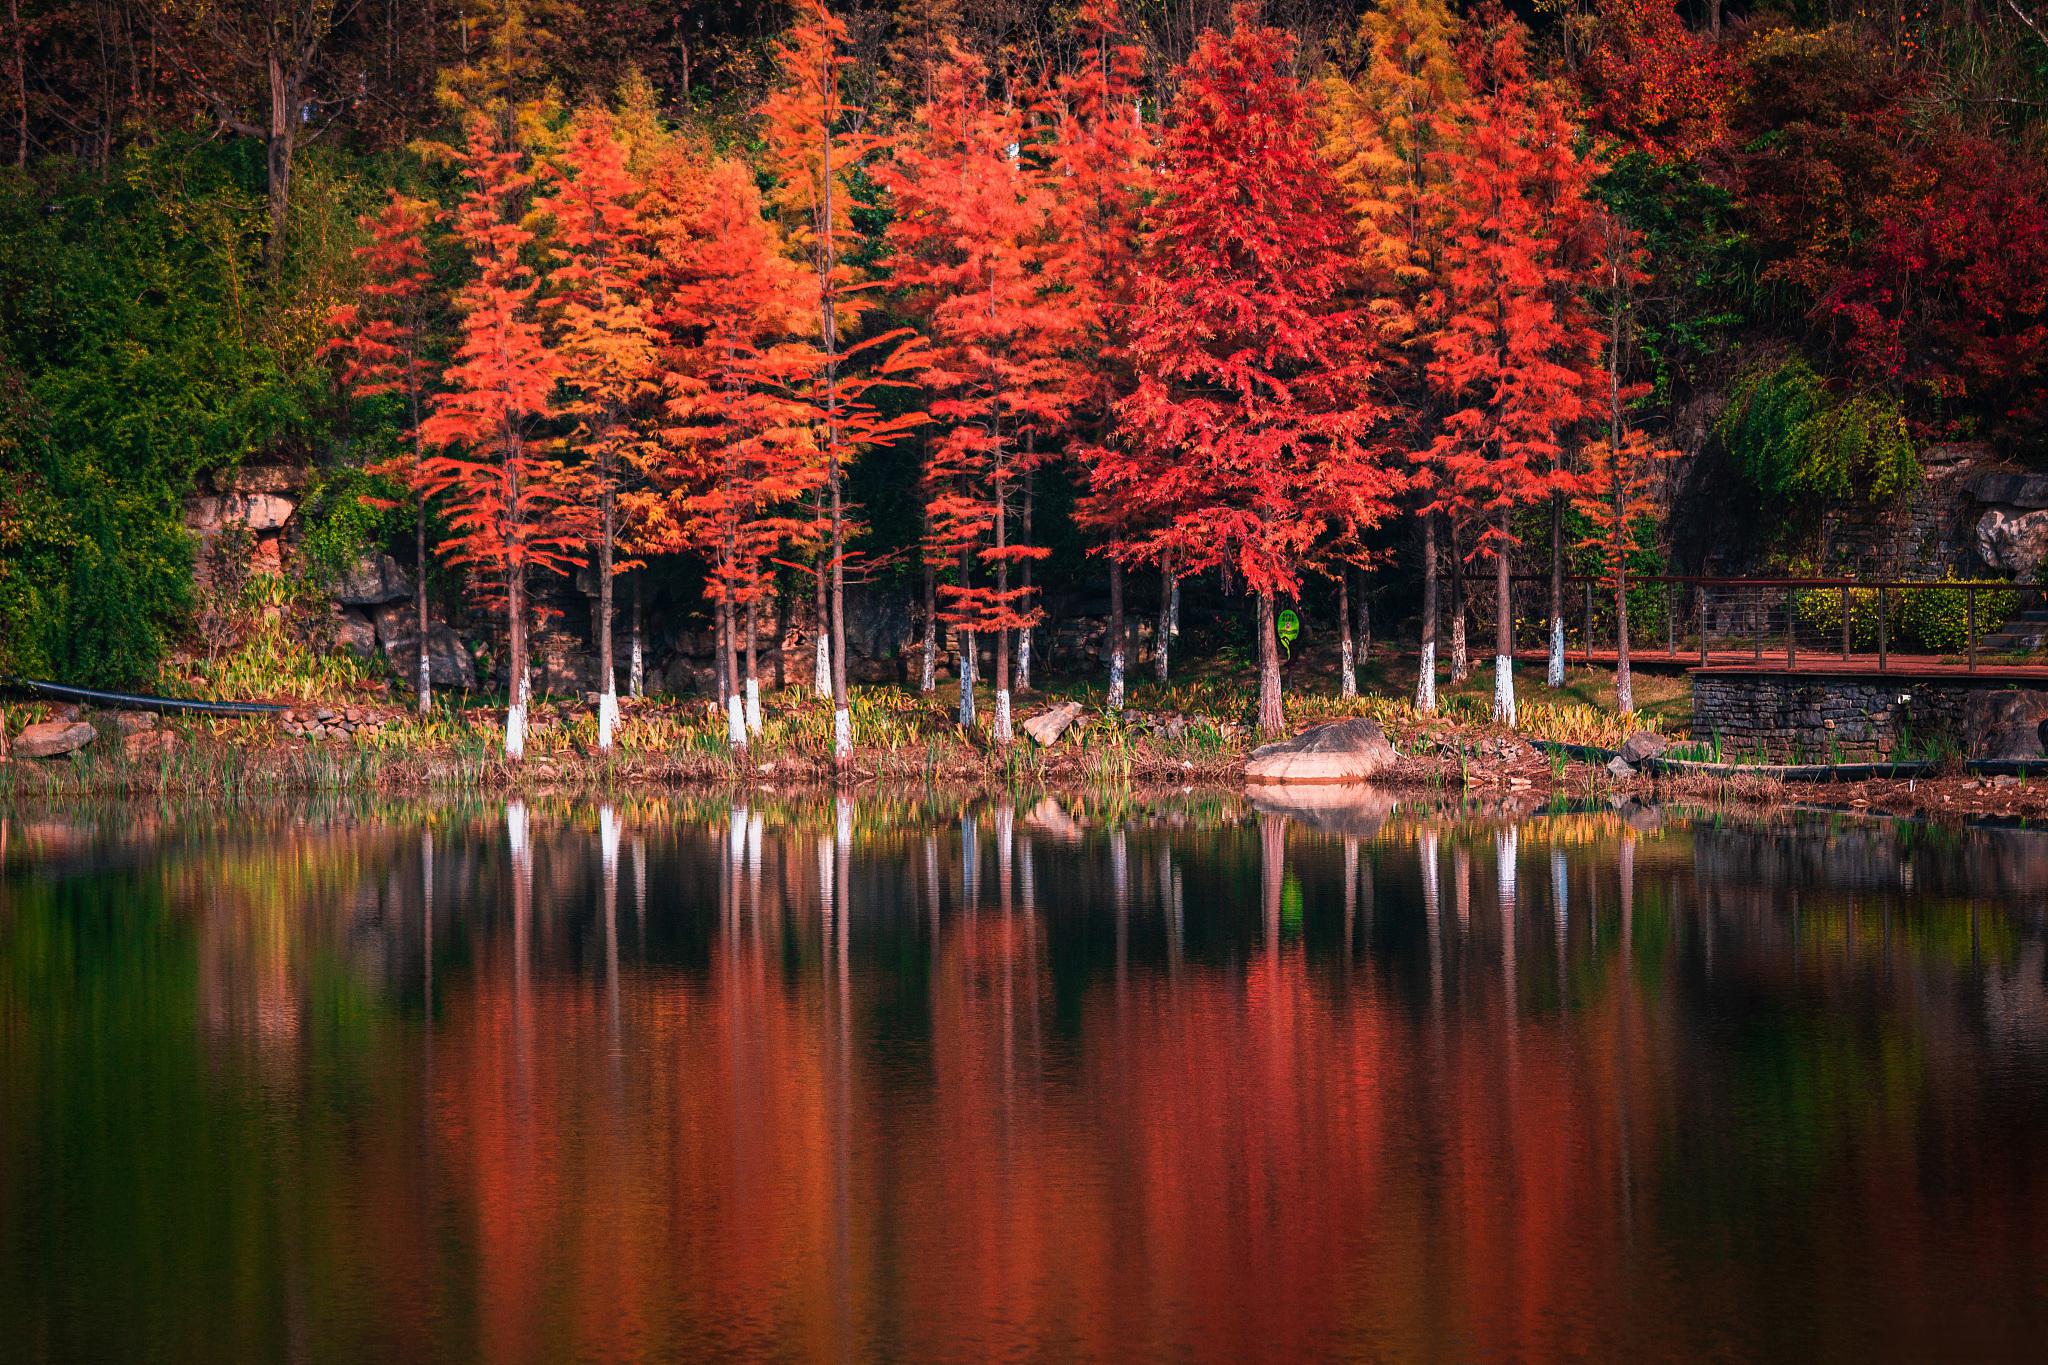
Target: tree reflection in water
(1095, 1079)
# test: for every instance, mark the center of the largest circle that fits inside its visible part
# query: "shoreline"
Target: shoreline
(677, 748)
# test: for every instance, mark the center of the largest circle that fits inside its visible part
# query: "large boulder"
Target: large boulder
(53, 738)
(372, 581)
(2006, 725)
(1642, 746)
(1046, 727)
(1335, 751)
(2014, 542)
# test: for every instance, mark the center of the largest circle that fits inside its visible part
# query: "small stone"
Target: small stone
(1642, 745)
(1620, 767)
(134, 722)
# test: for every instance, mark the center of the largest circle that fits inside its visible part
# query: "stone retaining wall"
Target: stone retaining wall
(1850, 717)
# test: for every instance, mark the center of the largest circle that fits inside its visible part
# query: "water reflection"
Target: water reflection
(915, 1079)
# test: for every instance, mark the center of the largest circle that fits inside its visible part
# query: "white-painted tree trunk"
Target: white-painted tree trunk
(1504, 690)
(1003, 731)
(515, 723)
(426, 683)
(842, 735)
(821, 683)
(1347, 676)
(1425, 679)
(1116, 674)
(735, 722)
(754, 706)
(1555, 676)
(1024, 659)
(607, 716)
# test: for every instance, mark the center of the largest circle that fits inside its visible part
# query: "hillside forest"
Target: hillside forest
(638, 320)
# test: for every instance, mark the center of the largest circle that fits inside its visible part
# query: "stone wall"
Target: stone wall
(1820, 717)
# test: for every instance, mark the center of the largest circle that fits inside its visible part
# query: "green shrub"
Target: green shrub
(1936, 620)
(1797, 442)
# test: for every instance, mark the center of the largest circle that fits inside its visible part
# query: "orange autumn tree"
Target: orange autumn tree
(736, 456)
(1513, 362)
(513, 508)
(1248, 431)
(379, 345)
(606, 341)
(969, 250)
(1389, 113)
(1103, 153)
(1618, 492)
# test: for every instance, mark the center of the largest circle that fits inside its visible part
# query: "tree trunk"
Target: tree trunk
(1347, 665)
(728, 674)
(1554, 673)
(1425, 673)
(1271, 718)
(1364, 627)
(1624, 688)
(515, 675)
(279, 141)
(426, 666)
(842, 713)
(1173, 610)
(636, 673)
(1162, 630)
(754, 658)
(1503, 632)
(928, 666)
(1116, 636)
(821, 682)
(1002, 724)
(607, 671)
(963, 640)
(1024, 633)
(1461, 613)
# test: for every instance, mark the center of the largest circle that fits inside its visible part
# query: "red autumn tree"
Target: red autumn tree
(1618, 490)
(1654, 83)
(379, 344)
(1103, 155)
(969, 253)
(1512, 362)
(512, 506)
(736, 455)
(1248, 430)
(606, 341)
(811, 149)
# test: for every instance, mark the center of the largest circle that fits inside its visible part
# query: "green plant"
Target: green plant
(1798, 442)
(1936, 619)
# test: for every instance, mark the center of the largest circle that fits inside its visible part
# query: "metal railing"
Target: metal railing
(1705, 619)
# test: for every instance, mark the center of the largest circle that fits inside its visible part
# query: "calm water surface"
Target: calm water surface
(903, 1080)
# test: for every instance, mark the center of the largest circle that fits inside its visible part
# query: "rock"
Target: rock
(372, 581)
(448, 660)
(134, 722)
(2014, 490)
(1642, 745)
(2014, 543)
(144, 744)
(265, 478)
(2005, 725)
(257, 511)
(1353, 812)
(53, 738)
(356, 633)
(1047, 726)
(1620, 767)
(1335, 751)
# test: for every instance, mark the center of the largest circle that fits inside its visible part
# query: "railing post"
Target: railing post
(1699, 607)
(1883, 630)
(1791, 632)
(1970, 616)
(1845, 623)
(1762, 614)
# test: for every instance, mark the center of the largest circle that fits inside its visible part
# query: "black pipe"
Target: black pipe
(134, 702)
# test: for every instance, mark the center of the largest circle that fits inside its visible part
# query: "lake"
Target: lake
(907, 1078)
